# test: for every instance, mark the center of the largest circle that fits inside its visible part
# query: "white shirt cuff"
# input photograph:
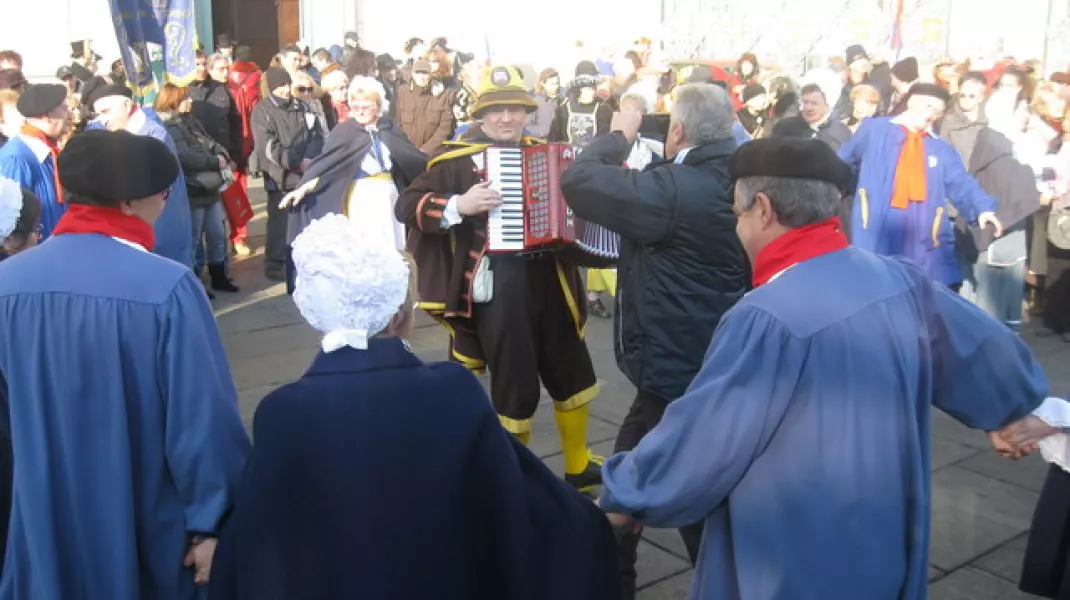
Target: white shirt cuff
(1055, 449)
(450, 214)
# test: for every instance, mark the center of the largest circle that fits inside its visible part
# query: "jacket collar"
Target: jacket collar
(700, 154)
(382, 354)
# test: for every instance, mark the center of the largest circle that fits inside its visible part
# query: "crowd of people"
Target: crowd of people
(913, 215)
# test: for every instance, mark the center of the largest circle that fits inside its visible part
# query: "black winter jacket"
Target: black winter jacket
(197, 153)
(681, 264)
(217, 111)
(285, 132)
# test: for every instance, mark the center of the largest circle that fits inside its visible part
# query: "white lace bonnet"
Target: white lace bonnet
(349, 284)
(10, 206)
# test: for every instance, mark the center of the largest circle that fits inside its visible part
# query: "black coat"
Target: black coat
(378, 476)
(285, 132)
(340, 161)
(1010, 182)
(681, 264)
(198, 154)
(215, 108)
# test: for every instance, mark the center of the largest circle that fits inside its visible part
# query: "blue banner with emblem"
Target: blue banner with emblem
(157, 39)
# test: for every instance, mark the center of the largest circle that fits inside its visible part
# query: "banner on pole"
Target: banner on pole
(157, 39)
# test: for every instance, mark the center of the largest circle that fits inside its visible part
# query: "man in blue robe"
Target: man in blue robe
(30, 157)
(906, 174)
(117, 111)
(804, 440)
(115, 388)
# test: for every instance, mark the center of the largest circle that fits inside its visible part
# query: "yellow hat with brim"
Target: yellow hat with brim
(503, 86)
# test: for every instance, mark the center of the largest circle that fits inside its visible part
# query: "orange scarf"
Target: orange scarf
(53, 148)
(910, 184)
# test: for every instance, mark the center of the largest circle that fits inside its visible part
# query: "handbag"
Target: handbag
(203, 183)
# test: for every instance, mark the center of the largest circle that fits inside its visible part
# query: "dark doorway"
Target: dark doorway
(255, 23)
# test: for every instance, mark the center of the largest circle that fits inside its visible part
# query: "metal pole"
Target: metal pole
(1047, 37)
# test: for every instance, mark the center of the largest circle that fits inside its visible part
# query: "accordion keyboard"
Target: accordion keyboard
(505, 224)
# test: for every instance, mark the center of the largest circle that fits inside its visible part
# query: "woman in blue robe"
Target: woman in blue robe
(378, 476)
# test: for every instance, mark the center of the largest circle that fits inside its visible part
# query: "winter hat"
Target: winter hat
(855, 52)
(586, 67)
(752, 91)
(276, 78)
(906, 70)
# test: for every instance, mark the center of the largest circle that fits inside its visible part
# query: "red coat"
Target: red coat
(244, 85)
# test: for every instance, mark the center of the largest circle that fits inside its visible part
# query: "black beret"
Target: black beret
(88, 163)
(103, 90)
(794, 157)
(930, 89)
(40, 99)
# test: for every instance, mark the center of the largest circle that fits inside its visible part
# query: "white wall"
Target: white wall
(45, 49)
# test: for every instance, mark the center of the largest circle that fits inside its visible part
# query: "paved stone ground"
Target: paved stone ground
(982, 504)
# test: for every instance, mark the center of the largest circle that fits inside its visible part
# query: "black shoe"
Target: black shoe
(218, 273)
(211, 296)
(590, 478)
(275, 274)
(596, 308)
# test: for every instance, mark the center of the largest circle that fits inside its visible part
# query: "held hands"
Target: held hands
(200, 558)
(295, 197)
(1020, 438)
(478, 199)
(627, 121)
(989, 218)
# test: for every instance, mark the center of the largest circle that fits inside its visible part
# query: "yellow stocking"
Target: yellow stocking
(525, 438)
(572, 427)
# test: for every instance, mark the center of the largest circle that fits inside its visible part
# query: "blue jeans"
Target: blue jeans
(996, 282)
(209, 222)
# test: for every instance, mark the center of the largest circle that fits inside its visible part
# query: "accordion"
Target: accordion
(533, 214)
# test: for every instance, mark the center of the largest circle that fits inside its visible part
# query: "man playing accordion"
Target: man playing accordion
(520, 314)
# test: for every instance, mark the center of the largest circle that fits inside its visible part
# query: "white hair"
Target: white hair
(705, 111)
(645, 94)
(369, 86)
(334, 80)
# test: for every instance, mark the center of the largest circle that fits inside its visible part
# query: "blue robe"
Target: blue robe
(123, 418)
(804, 440)
(377, 476)
(174, 235)
(922, 232)
(19, 163)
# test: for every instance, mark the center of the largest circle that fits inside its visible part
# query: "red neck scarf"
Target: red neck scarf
(796, 246)
(83, 218)
(53, 148)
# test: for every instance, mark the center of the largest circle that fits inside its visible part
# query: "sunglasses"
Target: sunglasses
(304, 90)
